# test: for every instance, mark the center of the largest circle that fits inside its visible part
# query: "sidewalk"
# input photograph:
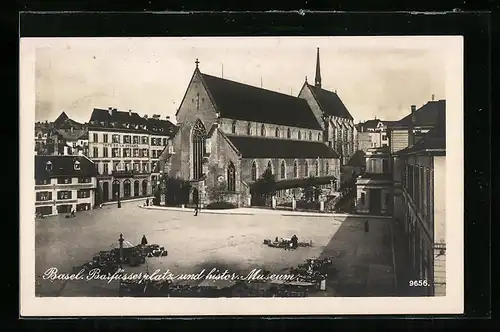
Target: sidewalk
(257, 211)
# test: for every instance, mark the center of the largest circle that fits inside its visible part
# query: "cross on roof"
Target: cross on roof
(197, 62)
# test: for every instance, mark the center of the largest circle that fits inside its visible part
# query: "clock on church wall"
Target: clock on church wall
(220, 178)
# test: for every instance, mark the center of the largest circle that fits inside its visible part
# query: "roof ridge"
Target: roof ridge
(251, 86)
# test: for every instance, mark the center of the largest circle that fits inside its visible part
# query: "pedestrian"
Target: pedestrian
(295, 241)
(72, 213)
(196, 208)
(147, 201)
(144, 241)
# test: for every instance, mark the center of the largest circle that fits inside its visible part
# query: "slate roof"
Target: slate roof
(358, 159)
(296, 183)
(428, 115)
(245, 102)
(130, 121)
(63, 166)
(257, 147)
(433, 141)
(330, 102)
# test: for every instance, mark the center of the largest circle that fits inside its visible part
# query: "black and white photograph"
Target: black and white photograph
(217, 169)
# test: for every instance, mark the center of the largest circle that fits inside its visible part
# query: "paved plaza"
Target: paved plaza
(363, 258)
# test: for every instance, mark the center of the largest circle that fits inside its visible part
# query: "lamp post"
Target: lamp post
(120, 241)
(119, 202)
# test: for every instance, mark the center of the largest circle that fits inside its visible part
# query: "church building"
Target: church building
(229, 133)
(335, 120)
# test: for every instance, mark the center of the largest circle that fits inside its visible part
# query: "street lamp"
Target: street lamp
(120, 241)
(119, 202)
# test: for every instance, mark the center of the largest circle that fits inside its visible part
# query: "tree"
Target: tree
(265, 187)
(310, 191)
(218, 193)
(176, 191)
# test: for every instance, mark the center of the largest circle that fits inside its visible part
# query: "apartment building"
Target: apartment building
(125, 148)
(64, 183)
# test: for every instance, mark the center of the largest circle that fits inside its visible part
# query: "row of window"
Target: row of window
(62, 194)
(118, 166)
(277, 133)
(129, 139)
(417, 181)
(76, 166)
(125, 153)
(283, 168)
(374, 162)
(65, 180)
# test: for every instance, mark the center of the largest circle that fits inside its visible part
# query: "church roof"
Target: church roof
(245, 102)
(330, 102)
(428, 115)
(259, 147)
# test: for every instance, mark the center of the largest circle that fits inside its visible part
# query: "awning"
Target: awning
(300, 183)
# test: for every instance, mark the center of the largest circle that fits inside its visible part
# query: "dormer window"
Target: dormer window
(76, 166)
(48, 166)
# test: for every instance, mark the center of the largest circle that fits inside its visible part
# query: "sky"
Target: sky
(374, 76)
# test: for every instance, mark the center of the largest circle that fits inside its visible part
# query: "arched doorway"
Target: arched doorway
(144, 188)
(198, 141)
(116, 190)
(195, 196)
(126, 188)
(231, 177)
(105, 191)
(136, 188)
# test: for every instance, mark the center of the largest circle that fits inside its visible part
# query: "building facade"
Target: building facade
(64, 183)
(336, 122)
(418, 156)
(372, 134)
(230, 133)
(374, 187)
(125, 148)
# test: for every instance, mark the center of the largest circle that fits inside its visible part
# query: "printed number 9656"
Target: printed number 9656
(418, 283)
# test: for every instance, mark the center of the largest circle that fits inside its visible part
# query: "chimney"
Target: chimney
(110, 110)
(145, 116)
(411, 127)
(167, 117)
(432, 97)
(129, 112)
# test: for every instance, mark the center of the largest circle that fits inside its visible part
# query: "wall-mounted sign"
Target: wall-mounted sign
(118, 145)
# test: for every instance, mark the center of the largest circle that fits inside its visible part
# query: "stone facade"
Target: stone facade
(222, 159)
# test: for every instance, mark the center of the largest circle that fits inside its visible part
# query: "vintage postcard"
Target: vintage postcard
(241, 176)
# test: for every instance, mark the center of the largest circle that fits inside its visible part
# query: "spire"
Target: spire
(317, 80)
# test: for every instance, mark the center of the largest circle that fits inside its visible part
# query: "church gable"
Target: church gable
(306, 94)
(197, 103)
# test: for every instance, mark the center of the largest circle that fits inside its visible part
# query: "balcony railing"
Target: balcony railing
(128, 173)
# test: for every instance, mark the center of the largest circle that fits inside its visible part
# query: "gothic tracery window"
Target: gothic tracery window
(262, 130)
(249, 129)
(198, 152)
(254, 171)
(270, 166)
(283, 170)
(277, 132)
(231, 177)
(295, 169)
(289, 133)
(233, 127)
(317, 168)
(306, 169)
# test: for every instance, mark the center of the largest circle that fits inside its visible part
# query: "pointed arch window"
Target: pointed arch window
(306, 169)
(249, 129)
(288, 133)
(277, 132)
(48, 166)
(233, 127)
(198, 151)
(254, 171)
(300, 135)
(283, 170)
(327, 168)
(310, 136)
(231, 177)
(319, 136)
(262, 130)
(317, 168)
(295, 169)
(270, 166)
(76, 166)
